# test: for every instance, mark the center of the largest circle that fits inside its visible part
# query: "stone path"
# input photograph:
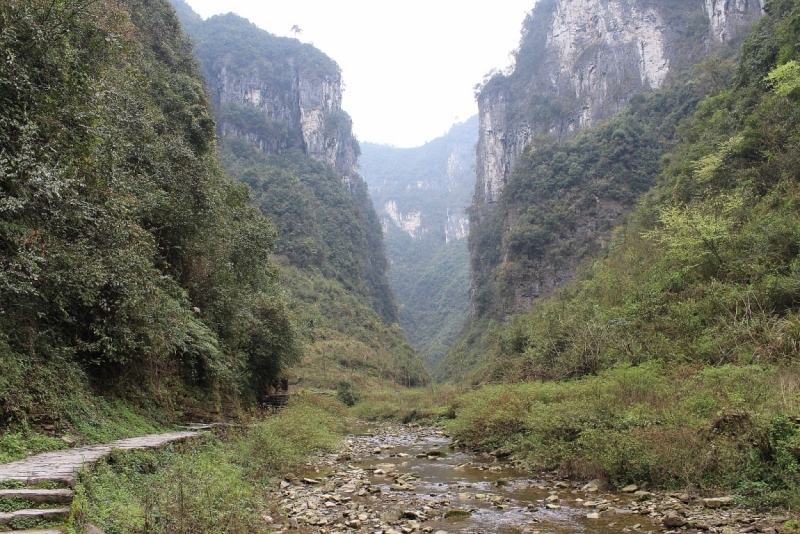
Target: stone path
(61, 466)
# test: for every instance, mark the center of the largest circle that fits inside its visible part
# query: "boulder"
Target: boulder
(673, 520)
(718, 502)
(595, 485)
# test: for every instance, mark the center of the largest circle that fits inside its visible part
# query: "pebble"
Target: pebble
(350, 490)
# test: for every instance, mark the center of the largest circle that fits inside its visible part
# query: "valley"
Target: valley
(223, 312)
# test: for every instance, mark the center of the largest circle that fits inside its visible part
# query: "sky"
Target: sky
(409, 66)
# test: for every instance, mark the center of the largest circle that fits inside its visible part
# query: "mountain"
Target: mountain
(133, 267)
(547, 195)
(277, 104)
(421, 195)
(677, 343)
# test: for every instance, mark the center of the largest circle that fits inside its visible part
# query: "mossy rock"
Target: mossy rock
(457, 513)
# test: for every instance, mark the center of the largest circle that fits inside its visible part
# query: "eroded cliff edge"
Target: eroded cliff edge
(278, 106)
(579, 63)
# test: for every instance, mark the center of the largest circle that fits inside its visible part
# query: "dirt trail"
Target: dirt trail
(395, 479)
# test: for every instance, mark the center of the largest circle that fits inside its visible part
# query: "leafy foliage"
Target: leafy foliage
(429, 272)
(207, 485)
(125, 249)
(705, 271)
(712, 428)
(325, 220)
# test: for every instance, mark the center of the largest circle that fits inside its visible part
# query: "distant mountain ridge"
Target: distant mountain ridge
(421, 195)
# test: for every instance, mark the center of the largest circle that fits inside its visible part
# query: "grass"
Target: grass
(215, 484)
(428, 404)
(713, 429)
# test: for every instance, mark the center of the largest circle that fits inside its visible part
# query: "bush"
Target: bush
(348, 393)
(310, 423)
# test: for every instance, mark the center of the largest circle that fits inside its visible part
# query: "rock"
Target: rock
(552, 506)
(552, 498)
(630, 488)
(376, 450)
(285, 484)
(594, 485)
(91, 529)
(593, 515)
(718, 502)
(642, 495)
(673, 520)
(456, 512)
(68, 440)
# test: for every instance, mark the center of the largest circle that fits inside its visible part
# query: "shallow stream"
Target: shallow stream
(422, 480)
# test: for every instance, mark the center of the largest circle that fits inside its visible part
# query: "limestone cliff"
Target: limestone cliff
(579, 63)
(282, 131)
(303, 108)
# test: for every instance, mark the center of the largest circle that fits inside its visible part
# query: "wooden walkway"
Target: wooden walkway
(61, 466)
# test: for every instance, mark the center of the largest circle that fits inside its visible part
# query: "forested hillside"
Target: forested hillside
(678, 344)
(572, 137)
(283, 133)
(705, 270)
(421, 195)
(131, 264)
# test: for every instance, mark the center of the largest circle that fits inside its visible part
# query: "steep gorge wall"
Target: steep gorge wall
(303, 108)
(278, 107)
(579, 63)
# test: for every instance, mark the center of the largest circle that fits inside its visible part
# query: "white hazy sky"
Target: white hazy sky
(409, 66)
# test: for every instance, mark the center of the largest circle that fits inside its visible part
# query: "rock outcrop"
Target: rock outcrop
(580, 62)
(306, 112)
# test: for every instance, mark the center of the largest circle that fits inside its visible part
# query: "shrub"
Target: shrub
(348, 393)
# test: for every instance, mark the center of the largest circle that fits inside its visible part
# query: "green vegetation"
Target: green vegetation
(330, 244)
(678, 345)
(344, 339)
(670, 427)
(705, 271)
(131, 265)
(210, 484)
(429, 272)
(566, 198)
(322, 224)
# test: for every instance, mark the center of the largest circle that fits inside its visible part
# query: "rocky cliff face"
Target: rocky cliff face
(278, 108)
(306, 112)
(580, 62)
(424, 191)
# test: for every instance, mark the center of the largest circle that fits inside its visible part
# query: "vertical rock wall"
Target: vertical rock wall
(597, 55)
(579, 63)
(306, 112)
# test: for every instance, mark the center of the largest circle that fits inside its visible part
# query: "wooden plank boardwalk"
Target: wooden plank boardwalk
(61, 466)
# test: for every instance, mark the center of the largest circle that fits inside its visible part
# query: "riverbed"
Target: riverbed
(401, 479)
